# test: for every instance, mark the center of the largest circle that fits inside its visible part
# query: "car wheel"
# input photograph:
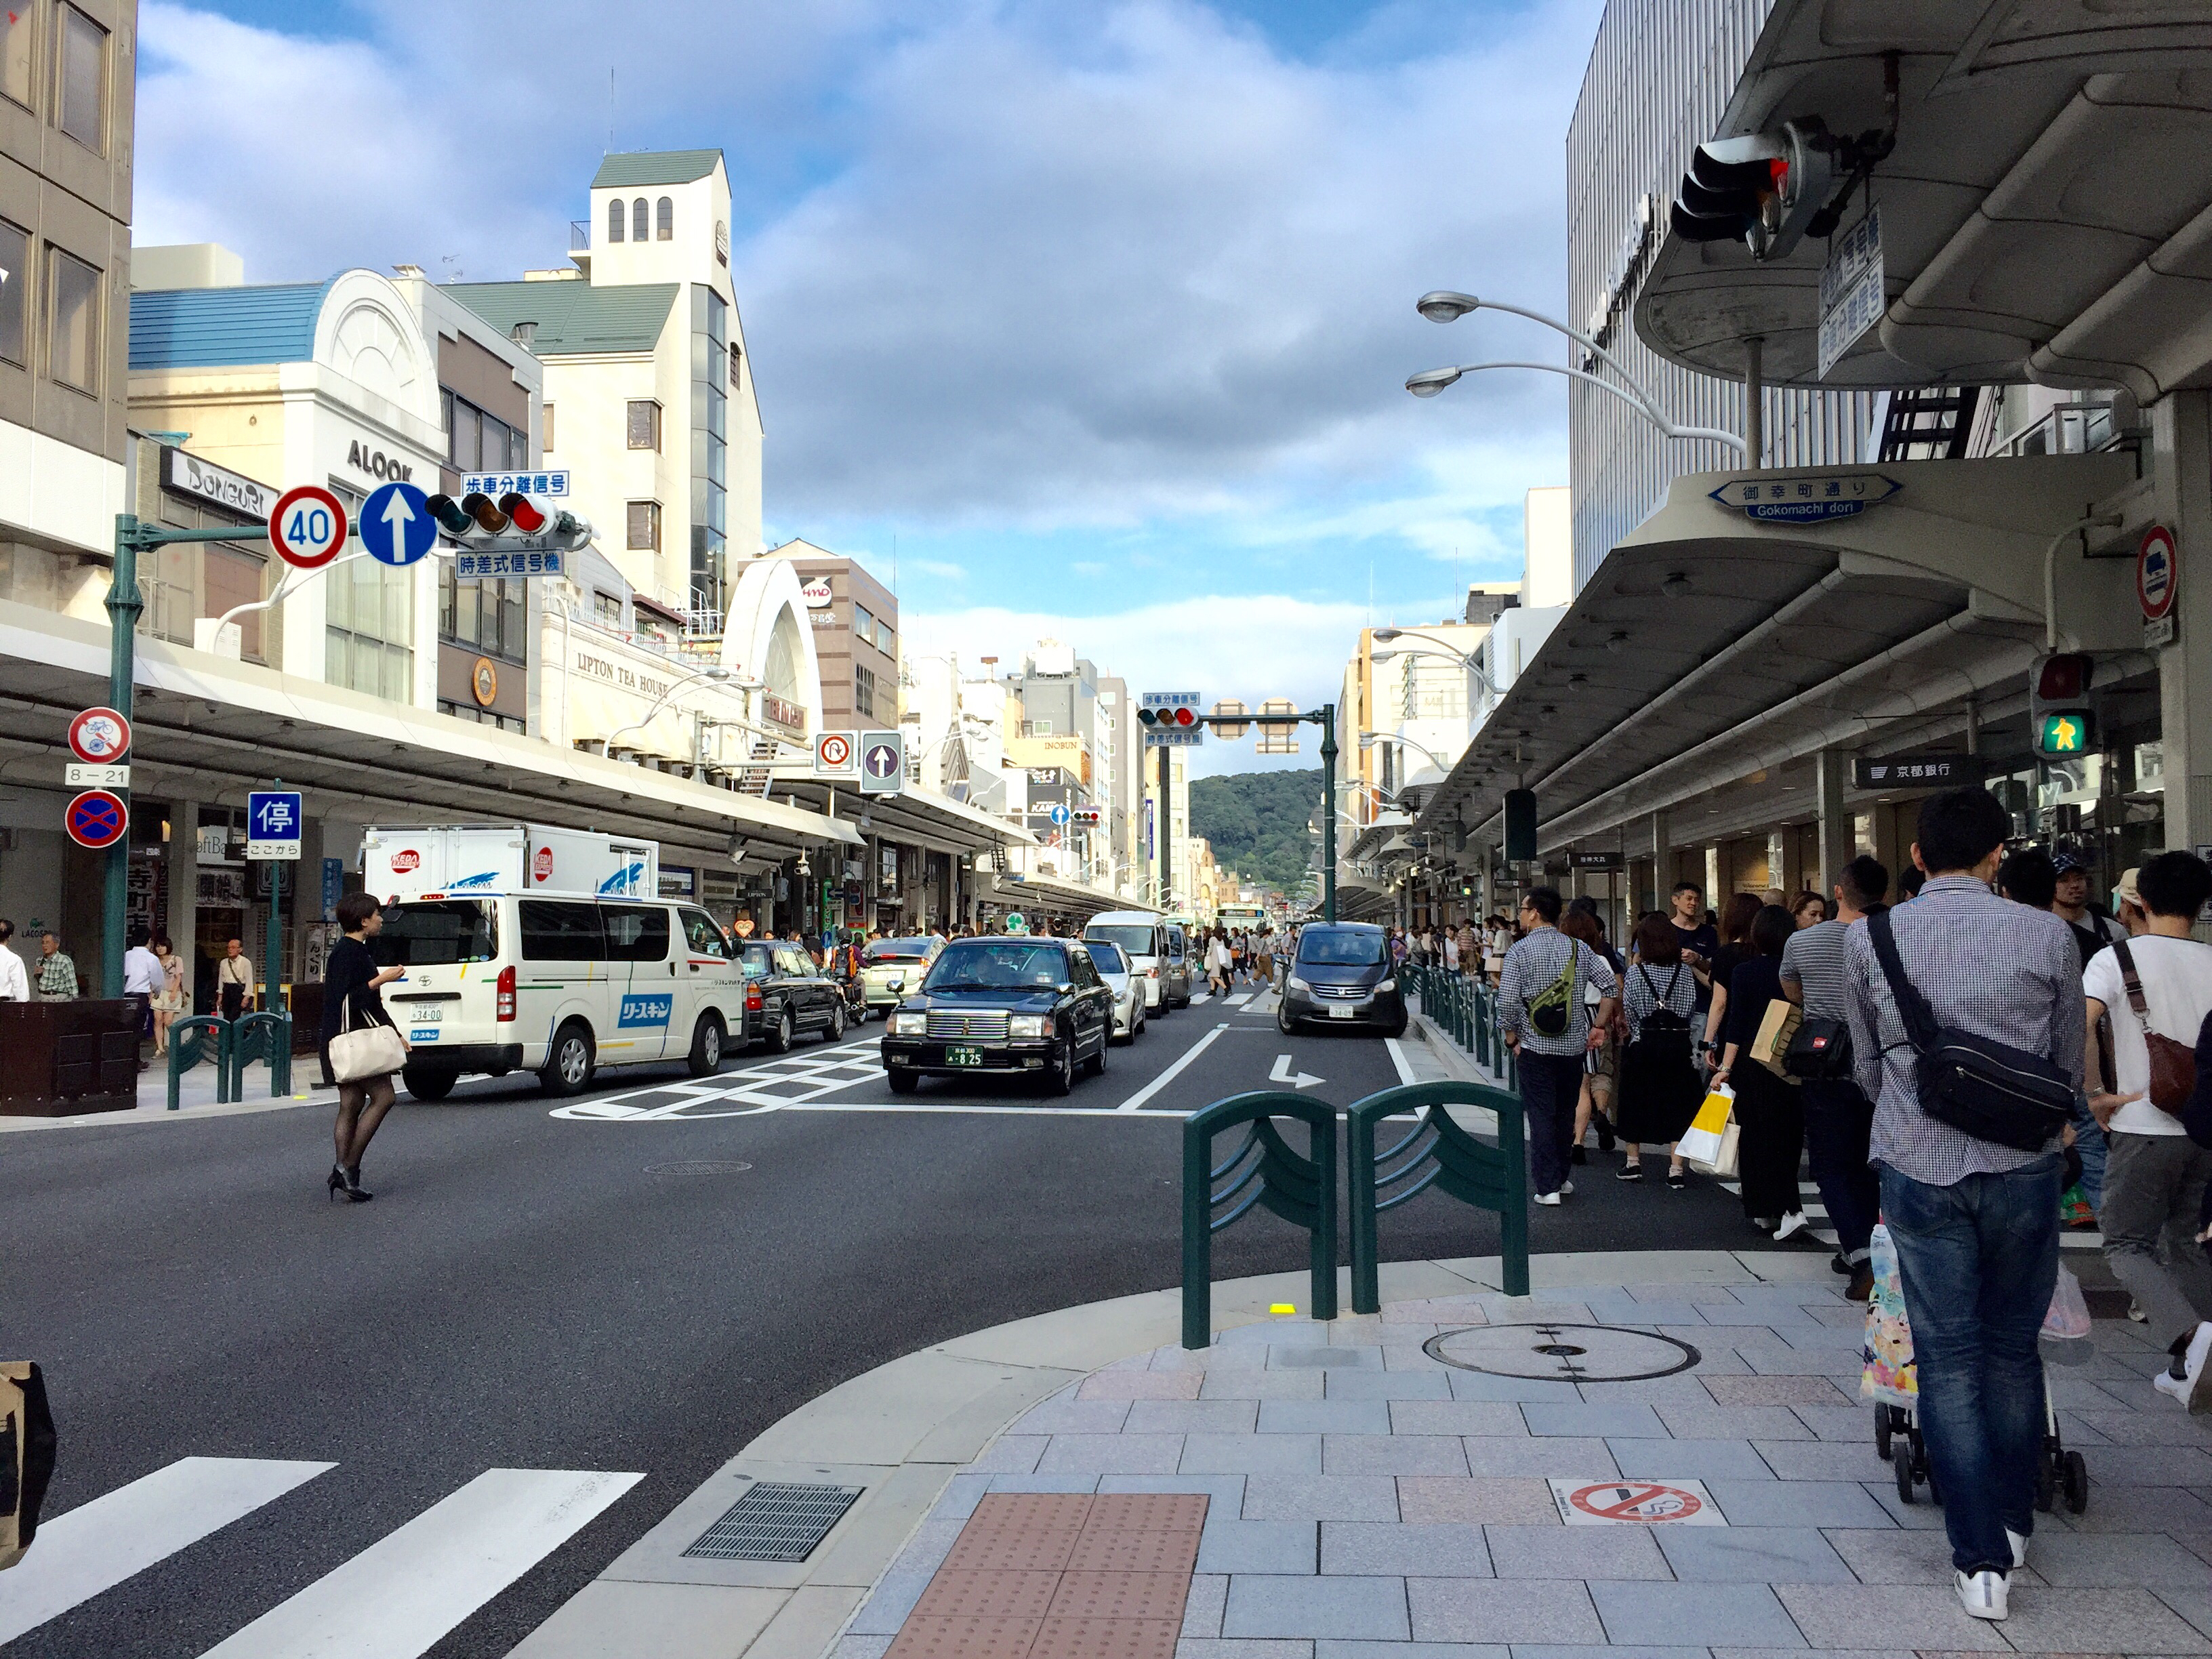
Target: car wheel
(1399, 1029)
(705, 1056)
(1098, 1060)
(426, 1085)
(903, 1083)
(834, 1031)
(1060, 1080)
(1284, 1022)
(779, 1041)
(569, 1065)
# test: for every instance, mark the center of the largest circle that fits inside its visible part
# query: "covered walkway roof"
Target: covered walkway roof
(913, 817)
(1054, 894)
(1708, 647)
(207, 727)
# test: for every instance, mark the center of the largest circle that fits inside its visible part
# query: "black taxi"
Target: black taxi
(1000, 1005)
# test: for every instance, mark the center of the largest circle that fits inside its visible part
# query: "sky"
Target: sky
(1087, 320)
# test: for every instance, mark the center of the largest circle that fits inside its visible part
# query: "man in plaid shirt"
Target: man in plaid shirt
(1552, 1066)
(1975, 1224)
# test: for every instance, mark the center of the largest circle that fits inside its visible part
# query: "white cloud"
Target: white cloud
(944, 569)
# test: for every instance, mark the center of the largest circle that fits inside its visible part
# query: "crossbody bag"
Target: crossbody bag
(2173, 1065)
(1980, 1086)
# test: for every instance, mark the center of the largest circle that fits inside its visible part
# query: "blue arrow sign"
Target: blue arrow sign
(396, 526)
(1058, 815)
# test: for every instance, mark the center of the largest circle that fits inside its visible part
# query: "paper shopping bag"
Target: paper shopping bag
(1710, 1137)
(1775, 1030)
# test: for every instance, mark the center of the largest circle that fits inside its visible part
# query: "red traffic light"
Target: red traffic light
(522, 512)
(2063, 678)
(1186, 717)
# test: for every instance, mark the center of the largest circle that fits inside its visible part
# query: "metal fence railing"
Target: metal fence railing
(1436, 1151)
(1465, 1009)
(1265, 1170)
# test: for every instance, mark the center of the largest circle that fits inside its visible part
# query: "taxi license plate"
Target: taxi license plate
(964, 1056)
(1342, 1013)
(431, 1015)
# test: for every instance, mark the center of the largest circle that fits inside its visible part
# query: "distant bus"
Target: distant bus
(1248, 918)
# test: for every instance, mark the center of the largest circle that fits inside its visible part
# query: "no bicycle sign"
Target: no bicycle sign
(1635, 1503)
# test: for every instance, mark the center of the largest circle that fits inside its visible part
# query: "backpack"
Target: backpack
(1552, 1010)
(1662, 1034)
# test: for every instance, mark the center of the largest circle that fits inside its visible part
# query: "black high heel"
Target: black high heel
(337, 1181)
(353, 1187)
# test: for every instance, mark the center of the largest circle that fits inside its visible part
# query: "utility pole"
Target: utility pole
(123, 606)
(1160, 831)
(1328, 721)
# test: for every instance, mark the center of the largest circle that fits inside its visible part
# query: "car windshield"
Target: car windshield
(1340, 950)
(997, 965)
(1107, 958)
(897, 950)
(758, 958)
(436, 933)
(1135, 938)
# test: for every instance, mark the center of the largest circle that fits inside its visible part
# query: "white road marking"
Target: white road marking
(120, 1533)
(1282, 1073)
(398, 1596)
(1240, 999)
(1398, 1058)
(1202, 997)
(1169, 1076)
(762, 1087)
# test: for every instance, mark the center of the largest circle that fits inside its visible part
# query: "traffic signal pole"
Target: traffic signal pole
(1327, 719)
(1161, 822)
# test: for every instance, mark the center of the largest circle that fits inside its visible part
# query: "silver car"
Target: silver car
(1128, 989)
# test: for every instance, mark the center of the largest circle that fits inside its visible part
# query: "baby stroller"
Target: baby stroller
(1890, 1380)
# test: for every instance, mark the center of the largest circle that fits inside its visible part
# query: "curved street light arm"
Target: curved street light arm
(682, 681)
(1641, 405)
(1466, 659)
(1592, 346)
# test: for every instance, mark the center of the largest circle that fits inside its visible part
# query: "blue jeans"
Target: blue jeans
(1979, 1261)
(2089, 1142)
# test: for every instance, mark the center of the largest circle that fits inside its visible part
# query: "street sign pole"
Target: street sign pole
(123, 606)
(1328, 812)
(1165, 818)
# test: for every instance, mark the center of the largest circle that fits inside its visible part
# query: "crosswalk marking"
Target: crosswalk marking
(1240, 999)
(398, 1596)
(1201, 999)
(119, 1535)
(786, 1080)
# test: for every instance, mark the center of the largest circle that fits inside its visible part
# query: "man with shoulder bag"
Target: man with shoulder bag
(1838, 1116)
(1966, 1022)
(2153, 985)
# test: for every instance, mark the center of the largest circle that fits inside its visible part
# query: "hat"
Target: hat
(2124, 891)
(2066, 863)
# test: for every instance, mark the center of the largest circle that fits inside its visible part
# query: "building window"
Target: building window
(710, 424)
(83, 80)
(73, 322)
(369, 617)
(484, 616)
(864, 625)
(547, 421)
(644, 423)
(478, 442)
(18, 42)
(864, 693)
(663, 225)
(637, 220)
(609, 607)
(14, 292)
(736, 363)
(644, 525)
(614, 220)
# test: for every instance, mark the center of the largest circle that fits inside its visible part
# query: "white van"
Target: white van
(500, 982)
(1145, 939)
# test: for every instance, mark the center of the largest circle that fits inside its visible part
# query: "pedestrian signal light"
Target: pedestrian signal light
(2057, 735)
(2061, 718)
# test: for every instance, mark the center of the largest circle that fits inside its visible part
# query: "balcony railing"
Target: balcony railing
(579, 235)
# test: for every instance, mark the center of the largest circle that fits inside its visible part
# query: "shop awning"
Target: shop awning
(210, 728)
(2046, 214)
(1051, 893)
(1708, 647)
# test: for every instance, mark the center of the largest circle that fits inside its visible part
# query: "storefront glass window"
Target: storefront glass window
(369, 629)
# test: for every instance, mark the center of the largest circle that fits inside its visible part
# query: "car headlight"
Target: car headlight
(1298, 984)
(1388, 985)
(904, 1025)
(1029, 1026)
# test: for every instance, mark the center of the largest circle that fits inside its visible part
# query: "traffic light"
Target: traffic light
(2061, 720)
(1085, 817)
(1520, 825)
(513, 522)
(1762, 191)
(1171, 720)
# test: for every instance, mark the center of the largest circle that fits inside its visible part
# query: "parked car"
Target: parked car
(786, 994)
(1128, 987)
(1033, 1005)
(1149, 940)
(1342, 976)
(890, 967)
(499, 982)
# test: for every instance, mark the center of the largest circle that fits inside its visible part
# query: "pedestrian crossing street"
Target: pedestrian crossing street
(1816, 1212)
(394, 1599)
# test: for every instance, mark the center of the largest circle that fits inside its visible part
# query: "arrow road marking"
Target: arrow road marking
(1282, 1074)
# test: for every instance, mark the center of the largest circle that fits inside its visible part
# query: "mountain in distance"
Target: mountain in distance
(1256, 824)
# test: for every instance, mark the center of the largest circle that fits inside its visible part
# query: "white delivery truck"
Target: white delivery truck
(548, 950)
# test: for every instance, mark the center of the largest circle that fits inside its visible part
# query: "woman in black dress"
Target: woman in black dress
(1734, 949)
(1768, 1113)
(352, 980)
(1659, 1085)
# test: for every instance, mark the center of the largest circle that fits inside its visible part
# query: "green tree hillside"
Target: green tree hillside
(1256, 822)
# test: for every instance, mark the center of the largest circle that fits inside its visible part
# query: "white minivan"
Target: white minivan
(500, 982)
(1145, 937)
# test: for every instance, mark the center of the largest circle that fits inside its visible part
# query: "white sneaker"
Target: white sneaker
(2193, 1388)
(1547, 1197)
(2019, 1547)
(1566, 1188)
(1792, 1225)
(1982, 1595)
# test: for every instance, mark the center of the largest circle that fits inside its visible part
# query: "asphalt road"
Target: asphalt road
(594, 1285)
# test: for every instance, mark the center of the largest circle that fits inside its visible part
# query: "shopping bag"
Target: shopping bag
(1887, 1372)
(1710, 1139)
(1779, 1024)
(2068, 1316)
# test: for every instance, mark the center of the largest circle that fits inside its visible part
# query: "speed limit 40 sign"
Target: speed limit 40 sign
(309, 526)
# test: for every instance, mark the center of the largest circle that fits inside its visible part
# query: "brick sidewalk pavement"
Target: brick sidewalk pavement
(1369, 1500)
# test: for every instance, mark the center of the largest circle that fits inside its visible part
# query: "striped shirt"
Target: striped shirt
(1984, 965)
(1531, 966)
(1645, 990)
(1814, 960)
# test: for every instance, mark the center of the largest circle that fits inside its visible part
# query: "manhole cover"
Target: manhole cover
(1563, 1353)
(696, 1166)
(774, 1522)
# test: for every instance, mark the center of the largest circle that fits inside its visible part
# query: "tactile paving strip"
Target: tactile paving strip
(1061, 1576)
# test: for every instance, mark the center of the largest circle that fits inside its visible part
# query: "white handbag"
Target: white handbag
(371, 1051)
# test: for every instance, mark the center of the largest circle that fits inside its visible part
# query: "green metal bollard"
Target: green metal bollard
(188, 1041)
(1436, 1151)
(262, 1036)
(1265, 1170)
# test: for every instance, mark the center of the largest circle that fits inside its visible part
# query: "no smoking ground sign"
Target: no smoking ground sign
(1635, 1503)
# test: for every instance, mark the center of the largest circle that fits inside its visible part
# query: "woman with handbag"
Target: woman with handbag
(361, 1047)
(1769, 1112)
